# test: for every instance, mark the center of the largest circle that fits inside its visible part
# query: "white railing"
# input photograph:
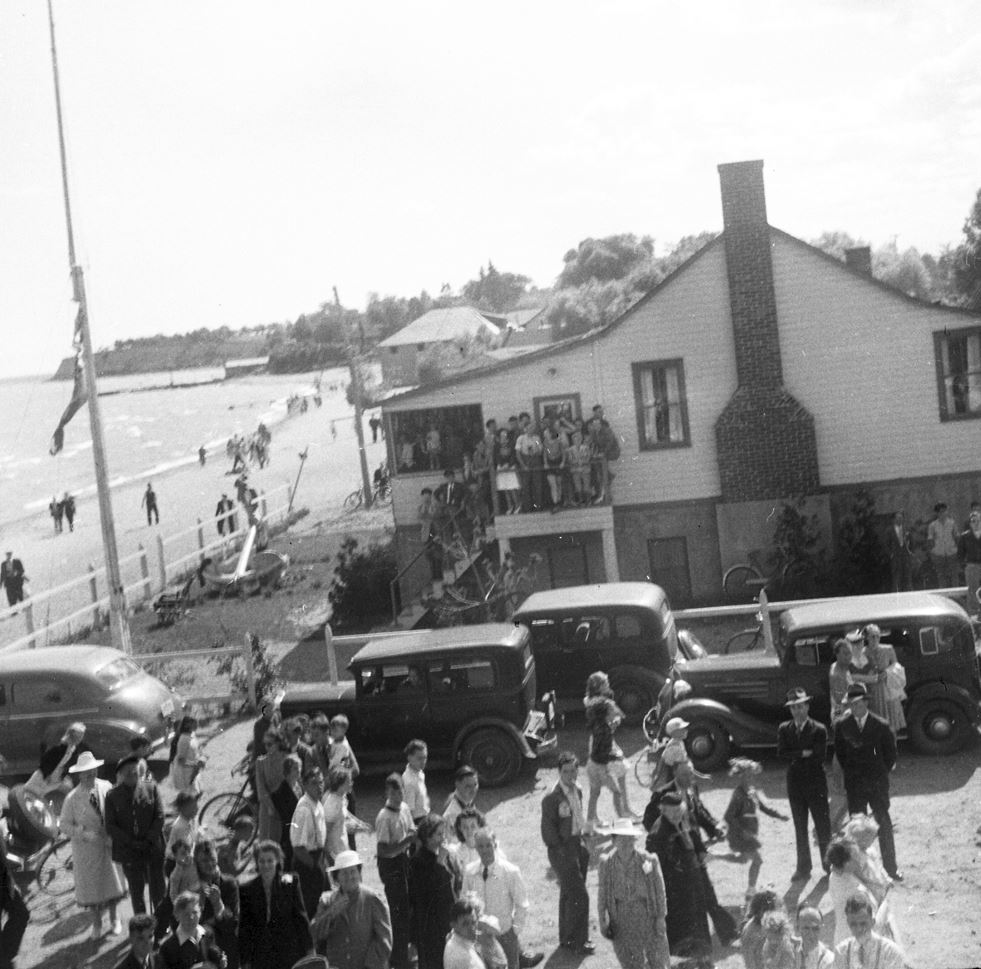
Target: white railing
(79, 602)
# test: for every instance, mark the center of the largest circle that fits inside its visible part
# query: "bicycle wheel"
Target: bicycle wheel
(383, 496)
(55, 874)
(222, 811)
(743, 641)
(646, 766)
(742, 583)
(354, 500)
(650, 724)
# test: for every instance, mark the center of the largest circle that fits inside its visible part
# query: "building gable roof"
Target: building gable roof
(441, 326)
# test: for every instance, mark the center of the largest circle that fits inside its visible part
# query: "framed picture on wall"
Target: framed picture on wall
(568, 406)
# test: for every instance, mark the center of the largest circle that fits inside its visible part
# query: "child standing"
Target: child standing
(184, 877)
(741, 818)
(184, 828)
(414, 779)
(340, 754)
(752, 937)
(396, 835)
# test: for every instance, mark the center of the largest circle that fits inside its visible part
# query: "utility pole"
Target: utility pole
(355, 371)
(118, 622)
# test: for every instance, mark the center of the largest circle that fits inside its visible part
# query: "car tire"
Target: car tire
(635, 692)
(32, 815)
(493, 755)
(708, 745)
(938, 726)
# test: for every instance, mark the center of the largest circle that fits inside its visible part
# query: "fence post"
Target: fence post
(29, 621)
(94, 592)
(200, 535)
(145, 572)
(162, 562)
(765, 619)
(249, 670)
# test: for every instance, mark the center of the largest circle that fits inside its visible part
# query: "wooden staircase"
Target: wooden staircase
(412, 614)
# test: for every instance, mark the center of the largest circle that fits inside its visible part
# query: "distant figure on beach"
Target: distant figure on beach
(202, 455)
(150, 501)
(333, 430)
(12, 577)
(225, 514)
(57, 510)
(68, 503)
(375, 425)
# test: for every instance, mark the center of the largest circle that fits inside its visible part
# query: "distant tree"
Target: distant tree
(601, 260)
(835, 243)
(360, 592)
(941, 268)
(495, 291)
(904, 270)
(967, 259)
(386, 315)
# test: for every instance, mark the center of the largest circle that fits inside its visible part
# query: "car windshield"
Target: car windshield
(114, 674)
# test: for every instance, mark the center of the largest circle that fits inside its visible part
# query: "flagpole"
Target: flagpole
(118, 621)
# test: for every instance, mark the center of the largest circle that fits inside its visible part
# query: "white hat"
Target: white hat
(86, 761)
(625, 827)
(490, 922)
(346, 859)
(676, 723)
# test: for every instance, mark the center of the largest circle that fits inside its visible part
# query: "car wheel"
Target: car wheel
(494, 756)
(634, 695)
(708, 745)
(31, 815)
(938, 726)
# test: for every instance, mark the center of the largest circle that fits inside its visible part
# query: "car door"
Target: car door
(548, 656)
(584, 647)
(394, 707)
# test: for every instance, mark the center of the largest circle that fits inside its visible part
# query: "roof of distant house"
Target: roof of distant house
(519, 319)
(441, 326)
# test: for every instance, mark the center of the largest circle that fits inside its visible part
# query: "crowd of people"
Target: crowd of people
(254, 448)
(561, 461)
(452, 896)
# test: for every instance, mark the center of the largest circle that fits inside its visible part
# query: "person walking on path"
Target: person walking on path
(969, 554)
(57, 510)
(804, 742)
(225, 515)
(866, 749)
(134, 823)
(98, 879)
(563, 826)
(149, 501)
(942, 539)
(13, 578)
(632, 905)
(68, 502)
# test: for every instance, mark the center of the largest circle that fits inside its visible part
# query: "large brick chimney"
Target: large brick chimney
(765, 438)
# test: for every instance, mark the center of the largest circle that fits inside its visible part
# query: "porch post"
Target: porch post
(610, 555)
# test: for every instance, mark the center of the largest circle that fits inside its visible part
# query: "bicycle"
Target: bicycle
(746, 639)
(381, 494)
(222, 811)
(742, 582)
(647, 767)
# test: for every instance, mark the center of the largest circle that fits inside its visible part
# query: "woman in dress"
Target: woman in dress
(605, 765)
(268, 778)
(554, 447)
(466, 826)
(881, 657)
(99, 882)
(185, 757)
(431, 892)
(507, 477)
(273, 930)
(839, 679)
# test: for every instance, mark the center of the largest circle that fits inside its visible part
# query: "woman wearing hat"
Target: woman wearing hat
(51, 777)
(99, 881)
(632, 905)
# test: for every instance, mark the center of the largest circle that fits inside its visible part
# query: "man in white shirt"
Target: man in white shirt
(461, 945)
(414, 779)
(865, 949)
(499, 886)
(308, 835)
(464, 796)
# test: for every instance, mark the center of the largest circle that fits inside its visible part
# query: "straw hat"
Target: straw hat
(346, 859)
(622, 827)
(86, 761)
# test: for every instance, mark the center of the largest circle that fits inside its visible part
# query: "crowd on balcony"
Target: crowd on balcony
(561, 461)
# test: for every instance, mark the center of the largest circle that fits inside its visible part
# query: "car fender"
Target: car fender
(742, 728)
(947, 691)
(496, 723)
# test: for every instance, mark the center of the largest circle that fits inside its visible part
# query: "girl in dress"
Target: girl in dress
(742, 821)
(507, 477)
(605, 765)
(185, 757)
(99, 882)
(840, 678)
(876, 678)
(894, 686)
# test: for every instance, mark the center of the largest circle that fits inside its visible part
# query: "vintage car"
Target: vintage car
(626, 629)
(42, 691)
(468, 691)
(738, 700)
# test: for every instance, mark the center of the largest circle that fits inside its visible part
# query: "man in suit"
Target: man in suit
(804, 742)
(866, 749)
(140, 955)
(134, 822)
(12, 578)
(563, 826)
(900, 556)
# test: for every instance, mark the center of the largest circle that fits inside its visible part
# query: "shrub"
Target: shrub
(266, 672)
(860, 561)
(360, 592)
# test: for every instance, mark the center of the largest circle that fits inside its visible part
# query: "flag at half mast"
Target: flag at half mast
(80, 393)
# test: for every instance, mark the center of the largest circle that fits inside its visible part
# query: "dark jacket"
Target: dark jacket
(173, 955)
(431, 898)
(697, 811)
(792, 743)
(134, 822)
(52, 757)
(969, 548)
(282, 938)
(557, 829)
(225, 928)
(866, 755)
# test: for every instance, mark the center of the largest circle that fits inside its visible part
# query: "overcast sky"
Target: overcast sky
(231, 161)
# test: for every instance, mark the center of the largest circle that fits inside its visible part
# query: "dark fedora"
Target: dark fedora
(797, 695)
(857, 691)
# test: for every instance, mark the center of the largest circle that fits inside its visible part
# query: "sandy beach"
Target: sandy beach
(330, 472)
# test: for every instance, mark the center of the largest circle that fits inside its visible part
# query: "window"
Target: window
(627, 627)
(566, 406)
(434, 439)
(41, 696)
(958, 354)
(585, 631)
(662, 411)
(460, 676)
